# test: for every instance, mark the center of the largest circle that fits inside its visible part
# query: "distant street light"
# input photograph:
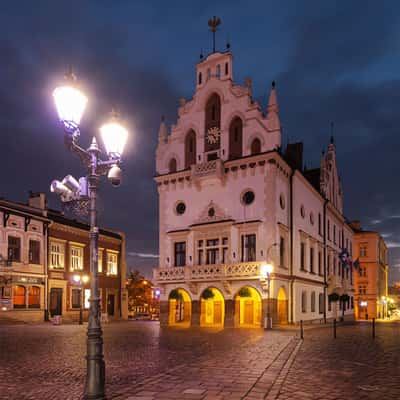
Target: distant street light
(78, 279)
(71, 103)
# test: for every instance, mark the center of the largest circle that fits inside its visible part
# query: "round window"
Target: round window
(180, 208)
(211, 212)
(248, 197)
(302, 212)
(311, 218)
(282, 201)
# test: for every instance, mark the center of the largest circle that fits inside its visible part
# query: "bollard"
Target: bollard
(373, 328)
(301, 330)
(334, 328)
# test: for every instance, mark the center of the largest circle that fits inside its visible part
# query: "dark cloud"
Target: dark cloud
(333, 61)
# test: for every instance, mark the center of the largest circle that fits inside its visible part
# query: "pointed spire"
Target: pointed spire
(162, 132)
(273, 101)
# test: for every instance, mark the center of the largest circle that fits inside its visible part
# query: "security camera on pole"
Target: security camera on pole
(70, 103)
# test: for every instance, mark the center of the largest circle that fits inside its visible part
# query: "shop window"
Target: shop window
(100, 262)
(112, 263)
(321, 303)
(303, 302)
(34, 252)
(312, 301)
(57, 252)
(76, 298)
(14, 248)
(19, 297)
(76, 258)
(34, 297)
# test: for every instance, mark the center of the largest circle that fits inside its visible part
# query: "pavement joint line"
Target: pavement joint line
(249, 393)
(280, 381)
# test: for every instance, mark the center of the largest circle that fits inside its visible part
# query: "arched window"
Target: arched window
(200, 78)
(218, 71)
(34, 297)
(226, 68)
(235, 138)
(19, 296)
(213, 123)
(256, 146)
(190, 149)
(172, 165)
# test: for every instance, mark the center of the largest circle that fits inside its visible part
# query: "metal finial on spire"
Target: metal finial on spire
(273, 84)
(213, 23)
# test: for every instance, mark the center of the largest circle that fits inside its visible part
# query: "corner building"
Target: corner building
(231, 200)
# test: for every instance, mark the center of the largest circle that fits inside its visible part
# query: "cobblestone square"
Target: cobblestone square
(146, 362)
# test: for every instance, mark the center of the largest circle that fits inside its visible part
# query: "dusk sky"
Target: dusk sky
(332, 61)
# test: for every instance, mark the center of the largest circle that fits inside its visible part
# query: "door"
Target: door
(217, 312)
(110, 304)
(56, 301)
(282, 312)
(248, 312)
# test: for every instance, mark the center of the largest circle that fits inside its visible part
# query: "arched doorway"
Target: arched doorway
(248, 307)
(282, 307)
(212, 308)
(180, 308)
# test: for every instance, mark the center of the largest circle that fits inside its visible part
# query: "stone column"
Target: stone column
(164, 311)
(195, 320)
(229, 314)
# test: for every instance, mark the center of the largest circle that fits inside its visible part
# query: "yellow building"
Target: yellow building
(371, 279)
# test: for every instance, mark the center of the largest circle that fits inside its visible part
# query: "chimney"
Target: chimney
(356, 225)
(37, 200)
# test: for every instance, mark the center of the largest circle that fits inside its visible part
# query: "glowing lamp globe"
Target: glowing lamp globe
(85, 279)
(266, 270)
(70, 103)
(76, 278)
(114, 136)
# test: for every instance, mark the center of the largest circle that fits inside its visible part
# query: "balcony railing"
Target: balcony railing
(249, 270)
(208, 168)
(339, 284)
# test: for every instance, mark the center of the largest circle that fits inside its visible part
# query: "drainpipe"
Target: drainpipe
(325, 266)
(291, 245)
(46, 273)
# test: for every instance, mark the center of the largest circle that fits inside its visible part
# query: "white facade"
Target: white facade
(230, 201)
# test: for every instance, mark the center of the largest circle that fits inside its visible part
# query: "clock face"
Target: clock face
(213, 135)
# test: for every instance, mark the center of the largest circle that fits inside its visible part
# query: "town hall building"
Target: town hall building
(231, 200)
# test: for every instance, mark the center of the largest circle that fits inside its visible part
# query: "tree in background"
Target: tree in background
(140, 294)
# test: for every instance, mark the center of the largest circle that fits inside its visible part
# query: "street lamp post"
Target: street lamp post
(70, 103)
(80, 280)
(265, 272)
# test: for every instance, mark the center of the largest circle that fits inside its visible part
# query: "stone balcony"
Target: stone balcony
(200, 273)
(338, 284)
(208, 169)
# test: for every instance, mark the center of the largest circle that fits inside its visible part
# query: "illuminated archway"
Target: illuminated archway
(212, 308)
(282, 307)
(180, 308)
(248, 307)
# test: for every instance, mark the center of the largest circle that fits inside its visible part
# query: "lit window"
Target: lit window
(100, 262)
(112, 263)
(57, 251)
(86, 302)
(34, 297)
(76, 255)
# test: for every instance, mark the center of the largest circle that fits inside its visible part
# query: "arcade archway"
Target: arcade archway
(180, 308)
(212, 308)
(282, 307)
(248, 307)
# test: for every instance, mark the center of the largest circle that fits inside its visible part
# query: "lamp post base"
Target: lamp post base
(268, 323)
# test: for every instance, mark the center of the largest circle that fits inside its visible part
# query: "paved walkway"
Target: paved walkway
(144, 362)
